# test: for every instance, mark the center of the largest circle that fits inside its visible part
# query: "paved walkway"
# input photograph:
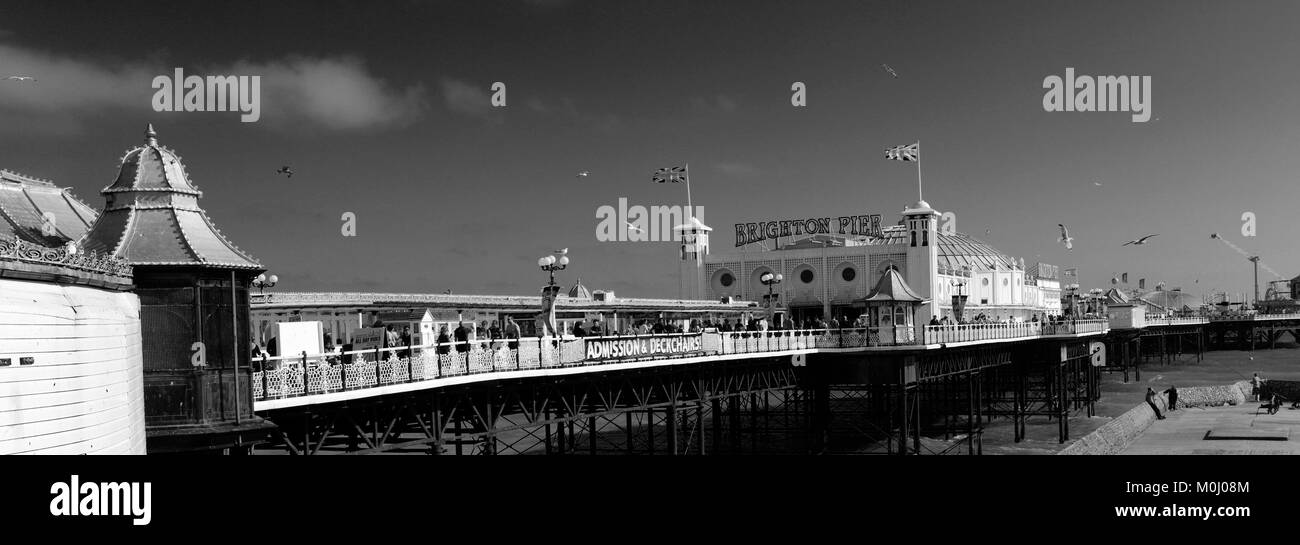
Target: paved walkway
(1184, 431)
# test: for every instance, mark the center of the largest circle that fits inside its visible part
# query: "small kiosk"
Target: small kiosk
(892, 305)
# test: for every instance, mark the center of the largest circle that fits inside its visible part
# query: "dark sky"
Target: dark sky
(382, 110)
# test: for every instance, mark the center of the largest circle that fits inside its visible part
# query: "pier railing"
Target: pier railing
(1176, 320)
(939, 334)
(312, 374)
(1253, 317)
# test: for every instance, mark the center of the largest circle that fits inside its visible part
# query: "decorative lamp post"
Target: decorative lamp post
(958, 300)
(1255, 259)
(551, 263)
(262, 282)
(768, 279)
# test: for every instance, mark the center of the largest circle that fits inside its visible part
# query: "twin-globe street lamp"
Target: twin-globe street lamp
(550, 292)
(262, 282)
(551, 264)
(768, 279)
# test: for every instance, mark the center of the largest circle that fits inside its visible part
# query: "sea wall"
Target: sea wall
(1116, 435)
(71, 369)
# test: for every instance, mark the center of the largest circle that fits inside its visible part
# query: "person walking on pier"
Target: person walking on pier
(462, 337)
(1254, 386)
(512, 332)
(1173, 398)
(1151, 400)
(444, 341)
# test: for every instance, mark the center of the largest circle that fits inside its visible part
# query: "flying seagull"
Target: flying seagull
(583, 174)
(1098, 184)
(563, 251)
(1140, 241)
(1065, 237)
(285, 170)
(890, 70)
(21, 78)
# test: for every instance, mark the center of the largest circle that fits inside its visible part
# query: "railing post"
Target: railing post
(379, 374)
(410, 367)
(265, 393)
(306, 384)
(343, 372)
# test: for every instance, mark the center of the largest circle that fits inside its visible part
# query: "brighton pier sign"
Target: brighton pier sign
(643, 347)
(748, 233)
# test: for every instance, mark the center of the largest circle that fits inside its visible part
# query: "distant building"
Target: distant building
(831, 275)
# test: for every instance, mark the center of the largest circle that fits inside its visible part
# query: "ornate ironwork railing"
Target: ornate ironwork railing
(1176, 320)
(938, 334)
(304, 374)
(20, 250)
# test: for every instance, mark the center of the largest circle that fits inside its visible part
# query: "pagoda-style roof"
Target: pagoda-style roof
(26, 203)
(892, 288)
(152, 216)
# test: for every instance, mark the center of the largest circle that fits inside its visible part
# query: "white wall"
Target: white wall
(84, 391)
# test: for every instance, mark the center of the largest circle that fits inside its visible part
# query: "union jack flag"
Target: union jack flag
(672, 174)
(904, 153)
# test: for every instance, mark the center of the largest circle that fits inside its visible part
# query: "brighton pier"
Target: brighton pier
(127, 329)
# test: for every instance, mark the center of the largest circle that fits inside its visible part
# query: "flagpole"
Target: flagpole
(919, 195)
(690, 210)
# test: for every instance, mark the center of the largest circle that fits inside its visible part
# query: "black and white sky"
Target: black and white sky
(383, 109)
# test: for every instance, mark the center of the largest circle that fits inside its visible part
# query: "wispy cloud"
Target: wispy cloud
(469, 99)
(717, 104)
(331, 93)
(737, 169)
(337, 93)
(568, 110)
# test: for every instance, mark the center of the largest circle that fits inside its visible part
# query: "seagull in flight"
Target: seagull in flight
(1140, 241)
(21, 78)
(890, 70)
(285, 170)
(1065, 237)
(1098, 184)
(583, 174)
(562, 251)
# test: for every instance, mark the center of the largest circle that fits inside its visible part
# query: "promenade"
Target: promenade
(1183, 431)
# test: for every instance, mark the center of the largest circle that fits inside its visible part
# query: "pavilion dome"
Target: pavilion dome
(579, 291)
(152, 216)
(955, 251)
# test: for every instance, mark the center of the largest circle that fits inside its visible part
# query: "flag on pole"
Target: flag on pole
(672, 174)
(904, 153)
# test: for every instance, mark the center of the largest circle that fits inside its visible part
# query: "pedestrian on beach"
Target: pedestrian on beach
(1151, 400)
(1173, 398)
(1254, 386)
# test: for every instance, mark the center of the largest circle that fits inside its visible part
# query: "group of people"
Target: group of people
(982, 318)
(493, 334)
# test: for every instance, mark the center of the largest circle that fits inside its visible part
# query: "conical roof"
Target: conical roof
(892, 287)
(152, 216)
